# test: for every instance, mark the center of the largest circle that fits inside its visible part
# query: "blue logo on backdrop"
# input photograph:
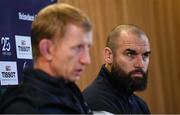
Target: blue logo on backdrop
(15, 41)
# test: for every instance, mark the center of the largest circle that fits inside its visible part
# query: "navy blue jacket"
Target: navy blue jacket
(104, 95)
(41, 93)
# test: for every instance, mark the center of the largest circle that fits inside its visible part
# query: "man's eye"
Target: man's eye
(129, 54)
(80, 46)
(146, 55)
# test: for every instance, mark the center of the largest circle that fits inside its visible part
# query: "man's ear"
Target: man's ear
(45, 48)
(108, 55)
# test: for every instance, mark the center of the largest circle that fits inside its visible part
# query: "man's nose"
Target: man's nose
(139, 62)
(85, 58)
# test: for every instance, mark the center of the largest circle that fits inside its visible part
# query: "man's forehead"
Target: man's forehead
(127, 39)
(136, 48)
(140, 44)
(136, 45)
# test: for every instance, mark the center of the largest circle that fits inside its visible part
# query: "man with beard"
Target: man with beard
(126, 58)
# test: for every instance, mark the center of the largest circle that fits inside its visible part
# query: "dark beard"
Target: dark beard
(125, 82)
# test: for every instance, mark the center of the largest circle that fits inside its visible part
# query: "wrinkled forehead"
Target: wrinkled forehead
(131, 41)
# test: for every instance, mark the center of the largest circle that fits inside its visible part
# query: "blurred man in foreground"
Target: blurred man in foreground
(61, 37)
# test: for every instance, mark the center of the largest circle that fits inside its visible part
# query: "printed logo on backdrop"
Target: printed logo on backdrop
(26, 16)
(8, 73)
(6, 46)
(23, 47)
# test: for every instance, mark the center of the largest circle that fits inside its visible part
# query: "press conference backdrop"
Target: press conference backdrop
(15, 40)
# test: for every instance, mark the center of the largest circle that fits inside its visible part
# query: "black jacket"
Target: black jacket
(41, 93)
(103, 95)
